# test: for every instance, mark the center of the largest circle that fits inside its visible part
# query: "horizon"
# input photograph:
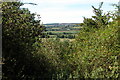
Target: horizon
(64, 11)
(62, 23)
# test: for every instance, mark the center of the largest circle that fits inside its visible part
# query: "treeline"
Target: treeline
(68, 35)
(94, 54)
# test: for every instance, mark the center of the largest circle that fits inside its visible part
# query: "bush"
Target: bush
(99, 52)
(56, 54)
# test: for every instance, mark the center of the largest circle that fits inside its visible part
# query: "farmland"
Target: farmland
(62, 30)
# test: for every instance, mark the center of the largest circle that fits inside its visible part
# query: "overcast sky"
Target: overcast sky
(66, 11)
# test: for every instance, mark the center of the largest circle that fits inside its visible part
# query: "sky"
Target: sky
(66, 11)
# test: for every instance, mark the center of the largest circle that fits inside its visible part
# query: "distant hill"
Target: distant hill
(62, 26)
(59, 24)
(62, 30)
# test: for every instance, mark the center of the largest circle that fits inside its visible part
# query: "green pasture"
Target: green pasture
(62, 32)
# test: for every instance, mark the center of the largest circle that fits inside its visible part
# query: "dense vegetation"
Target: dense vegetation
(94, 54)
(19, 34)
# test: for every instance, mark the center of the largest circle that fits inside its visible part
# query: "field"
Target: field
(62, 30)
(55, 28)
(77, 27)
(59, 32)
(61, 39)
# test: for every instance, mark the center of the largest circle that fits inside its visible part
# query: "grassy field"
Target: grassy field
(64, 39)
(70, 31)
(55, 28)
(62, 31)
(77, 27)
(61, 39)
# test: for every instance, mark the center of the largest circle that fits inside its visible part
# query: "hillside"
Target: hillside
(62, 30)
(62, 26)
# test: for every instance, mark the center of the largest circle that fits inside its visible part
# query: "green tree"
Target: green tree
(19, 33)
(98, 50)
(100, 19)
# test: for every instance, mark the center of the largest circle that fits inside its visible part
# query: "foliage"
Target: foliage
(94, 54)
(98, 20)
(56, 54)
(19, 33)
(99, 52)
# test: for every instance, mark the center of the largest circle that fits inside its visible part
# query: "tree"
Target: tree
(98, 49)
(19, 34)
(99, 19)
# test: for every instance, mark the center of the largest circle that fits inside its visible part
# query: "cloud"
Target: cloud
(61, 11)
(71, 1)
(65, 16)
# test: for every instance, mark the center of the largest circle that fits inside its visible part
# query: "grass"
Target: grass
(55, 28)
(77, 27)
(70, 31)
(64, 39)
(61, 39)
